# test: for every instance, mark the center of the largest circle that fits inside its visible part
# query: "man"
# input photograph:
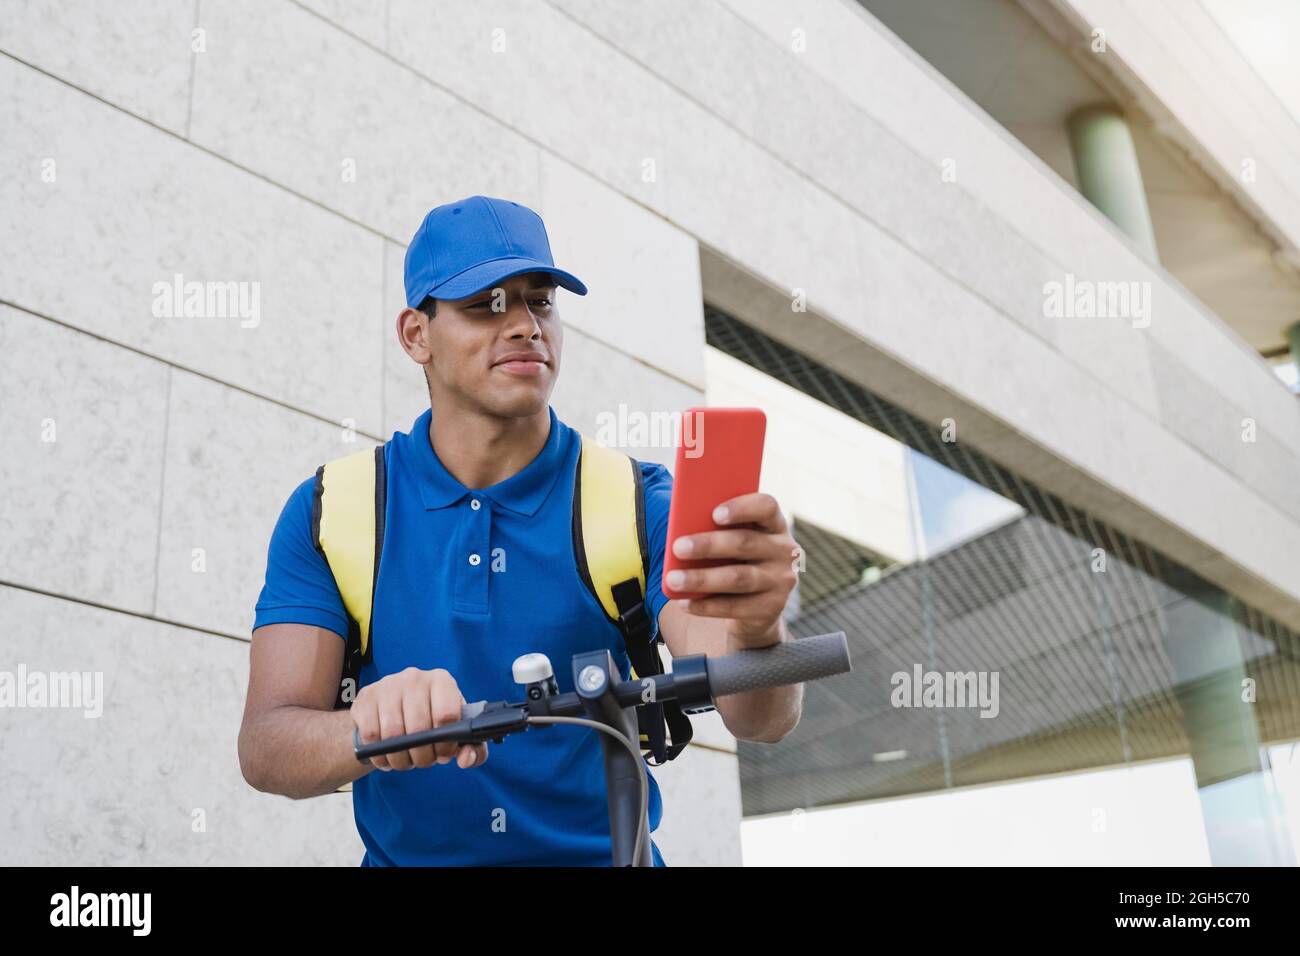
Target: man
(478, 568)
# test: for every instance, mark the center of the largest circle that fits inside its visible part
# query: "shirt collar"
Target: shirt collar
(522, 493)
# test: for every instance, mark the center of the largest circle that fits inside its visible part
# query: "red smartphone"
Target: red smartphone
(719, 455)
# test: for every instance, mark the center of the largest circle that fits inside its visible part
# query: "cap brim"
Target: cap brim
(486, 275)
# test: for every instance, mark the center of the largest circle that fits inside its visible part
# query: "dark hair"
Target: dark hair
(429, 306)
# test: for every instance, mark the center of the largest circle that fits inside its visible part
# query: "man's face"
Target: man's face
(497, 351)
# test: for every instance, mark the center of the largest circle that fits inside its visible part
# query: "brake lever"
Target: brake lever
(490, 722)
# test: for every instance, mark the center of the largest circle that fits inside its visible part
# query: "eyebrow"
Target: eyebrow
(535, 285)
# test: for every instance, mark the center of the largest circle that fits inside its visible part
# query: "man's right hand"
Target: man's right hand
(406, 703)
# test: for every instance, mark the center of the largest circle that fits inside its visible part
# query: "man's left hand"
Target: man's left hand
(752, 587)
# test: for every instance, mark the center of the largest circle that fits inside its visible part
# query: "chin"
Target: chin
(521, 405)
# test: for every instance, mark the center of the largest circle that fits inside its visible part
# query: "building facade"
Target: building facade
(1050, 245)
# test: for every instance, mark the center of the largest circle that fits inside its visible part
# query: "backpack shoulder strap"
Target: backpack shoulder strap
(609, 542)
(609, 526)
(348, 529)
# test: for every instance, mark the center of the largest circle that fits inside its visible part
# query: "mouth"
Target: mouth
(523, 367)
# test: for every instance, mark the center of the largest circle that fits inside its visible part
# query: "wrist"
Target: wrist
(739, 639)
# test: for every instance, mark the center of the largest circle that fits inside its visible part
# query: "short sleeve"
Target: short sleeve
(657, 485)
(299, 588)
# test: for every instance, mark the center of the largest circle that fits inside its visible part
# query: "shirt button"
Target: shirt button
(474, 559)
(473, 503)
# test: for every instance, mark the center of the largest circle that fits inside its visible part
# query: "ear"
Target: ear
(413, 334)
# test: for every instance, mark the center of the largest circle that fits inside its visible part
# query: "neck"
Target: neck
(480, 450)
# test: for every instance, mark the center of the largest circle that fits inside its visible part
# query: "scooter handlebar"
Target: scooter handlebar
(791, 662)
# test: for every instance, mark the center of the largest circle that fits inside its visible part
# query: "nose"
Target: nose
(520, 319)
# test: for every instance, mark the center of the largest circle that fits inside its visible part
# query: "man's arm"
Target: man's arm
(745, 602)
(765, 715)
(292, 741)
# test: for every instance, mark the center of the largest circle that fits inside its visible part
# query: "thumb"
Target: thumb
(471, 755)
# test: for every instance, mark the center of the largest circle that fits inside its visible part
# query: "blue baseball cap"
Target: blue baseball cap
(474, 244)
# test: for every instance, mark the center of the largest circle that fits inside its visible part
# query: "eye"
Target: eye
(542, 303)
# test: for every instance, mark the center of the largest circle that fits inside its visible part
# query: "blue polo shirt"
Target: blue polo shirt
(469, 580)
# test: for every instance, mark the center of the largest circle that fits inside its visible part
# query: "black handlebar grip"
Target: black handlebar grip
(791, 662)
(467, 712)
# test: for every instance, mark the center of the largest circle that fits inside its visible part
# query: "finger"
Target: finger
(736, 607)
(758, 508)
(365, 717)
(417, 715)
(471, 755)
(712, 607)
(391, 724)
(466, 756)
(446, 701)
(739, 544)
(725, 579)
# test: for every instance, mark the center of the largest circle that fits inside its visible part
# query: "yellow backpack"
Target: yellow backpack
(609, 541)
